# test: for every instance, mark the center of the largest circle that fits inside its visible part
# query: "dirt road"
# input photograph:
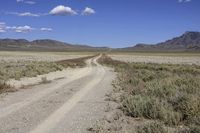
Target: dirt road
(68, 105)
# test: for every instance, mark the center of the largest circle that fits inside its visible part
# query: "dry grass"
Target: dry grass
(159, 58)
(20, 69)
(78, 62)
(4, 87)
(17, 70)
(152, 127)
(6, 56)
(159, 92)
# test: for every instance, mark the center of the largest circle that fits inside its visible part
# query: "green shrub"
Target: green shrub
(17, 70)
(188, 105)
(152, 127)
(194, 129)
(151, 108)
(166, 92)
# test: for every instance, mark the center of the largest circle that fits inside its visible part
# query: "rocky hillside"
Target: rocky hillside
(189, 41)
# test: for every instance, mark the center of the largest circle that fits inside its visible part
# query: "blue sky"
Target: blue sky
(113, 23)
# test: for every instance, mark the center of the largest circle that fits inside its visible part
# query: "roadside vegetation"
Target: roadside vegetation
(77, 62)
(20, 69)
(166, 95)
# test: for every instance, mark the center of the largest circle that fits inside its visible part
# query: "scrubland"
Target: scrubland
(161, 98)
(40, 56)
(160, 58)
(17, 65)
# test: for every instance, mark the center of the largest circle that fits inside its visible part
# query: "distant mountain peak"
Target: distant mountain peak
(190, 40)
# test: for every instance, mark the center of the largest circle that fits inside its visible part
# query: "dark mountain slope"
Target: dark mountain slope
(189, 41)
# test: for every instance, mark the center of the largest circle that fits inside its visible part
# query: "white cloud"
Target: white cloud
(25, 14)
(46, 29)
(20, 29)
(2, 24)
(2, 27)
(30, 2)
(62, 10)
(26, 2)
(20, 0)
(184, 1)
(26, 29)
(88, 11)
(28, 14)
(2, 31)
(23, 29)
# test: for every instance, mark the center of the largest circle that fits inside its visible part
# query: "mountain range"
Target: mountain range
(189, 41)
(44, 45)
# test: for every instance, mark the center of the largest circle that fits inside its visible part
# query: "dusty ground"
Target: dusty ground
(39, 56)
(70, 104)
(159, 58)
(23, 82)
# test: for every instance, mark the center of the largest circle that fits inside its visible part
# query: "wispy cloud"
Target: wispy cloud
(88, 11)
(184, 1)
(23, 29)
(2, 27)
(30, 2)
(20, 0)
(46, 29)
(26, 2)
(62, 10)
(25, 14)
(20, 29)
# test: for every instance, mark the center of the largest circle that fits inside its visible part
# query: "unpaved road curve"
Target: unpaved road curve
(69, 105)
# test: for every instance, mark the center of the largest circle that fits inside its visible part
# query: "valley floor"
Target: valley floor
(70, 104)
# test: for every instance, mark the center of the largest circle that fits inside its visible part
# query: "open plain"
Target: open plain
(86, 92)
(15, 56)
(69, 103)
(160, 58)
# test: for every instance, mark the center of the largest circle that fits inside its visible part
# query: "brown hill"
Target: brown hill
(44, 45)
(189, 41)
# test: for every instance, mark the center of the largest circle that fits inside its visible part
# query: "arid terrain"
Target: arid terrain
(6, 56)
(90, 92)
(160, 58)
(69, 101)
(99, 66)
(152, 97)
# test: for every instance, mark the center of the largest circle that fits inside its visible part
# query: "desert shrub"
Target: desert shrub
(166, 92)
(190, 129)
(138, 106)
(189, 106)
(152, 127)
(188, 84)
(44, 80)
(161, 88)
(4, 86)
(151, 108)
(17, 70)
(194, 129)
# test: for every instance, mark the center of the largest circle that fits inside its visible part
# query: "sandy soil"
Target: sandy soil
(38, 56)
(23, 82)
(158, 59)
(71, 104)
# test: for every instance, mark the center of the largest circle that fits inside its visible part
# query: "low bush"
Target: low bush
(151, 108)
(4, 86)
(152, 127)
(165, 92)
